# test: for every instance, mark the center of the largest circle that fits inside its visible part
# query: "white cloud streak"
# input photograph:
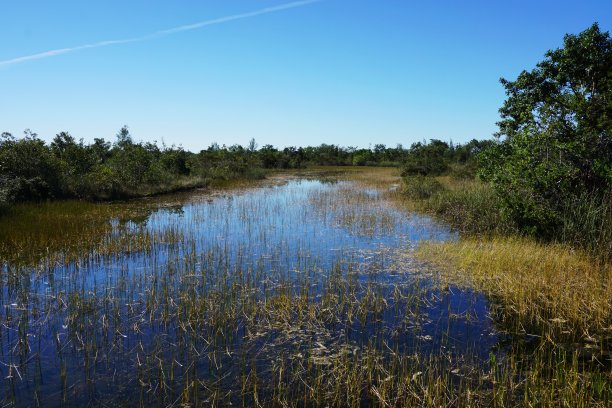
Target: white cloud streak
(158, 34)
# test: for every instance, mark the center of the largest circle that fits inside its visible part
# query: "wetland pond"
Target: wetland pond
(300, 292)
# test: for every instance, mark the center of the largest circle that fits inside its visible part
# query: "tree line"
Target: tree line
(31, 169)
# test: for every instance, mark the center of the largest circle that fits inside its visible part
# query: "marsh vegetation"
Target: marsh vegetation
(304, 289)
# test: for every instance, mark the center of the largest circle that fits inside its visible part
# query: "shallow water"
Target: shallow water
(229, 289)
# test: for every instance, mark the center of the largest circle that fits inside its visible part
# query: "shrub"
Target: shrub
(421, 187)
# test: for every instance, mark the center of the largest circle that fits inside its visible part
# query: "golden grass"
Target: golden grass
(546, 286)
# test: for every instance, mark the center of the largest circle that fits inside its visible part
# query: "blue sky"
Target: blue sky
(348, 72)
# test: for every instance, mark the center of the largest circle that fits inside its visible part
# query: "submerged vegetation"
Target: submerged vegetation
(286, 294)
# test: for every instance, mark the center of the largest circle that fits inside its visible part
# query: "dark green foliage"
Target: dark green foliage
(31, 170)
(361, 157)
(74, 160)
(28, 169)
(557, 148)
(67, 168)
(550, 175)
(268, 156)
(427, 159)
(224, 163)
(438, 158)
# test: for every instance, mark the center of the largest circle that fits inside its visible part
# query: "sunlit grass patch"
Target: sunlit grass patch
(550, 288)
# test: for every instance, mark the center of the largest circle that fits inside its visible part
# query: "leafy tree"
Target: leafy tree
(28, 170)
(74, 161)
(101, 150)
(555, 128)
(427, 159)
(268, 156)
(252, 147)
(361, 157)
(124, 139)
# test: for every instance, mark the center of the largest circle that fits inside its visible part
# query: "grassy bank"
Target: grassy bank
(552, 298)
(467, 204)
(542, 289)
(61, 231)
(553, 303)
(473, 208)
(557, 289)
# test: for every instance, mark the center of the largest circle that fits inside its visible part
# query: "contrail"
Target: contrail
(158, 34)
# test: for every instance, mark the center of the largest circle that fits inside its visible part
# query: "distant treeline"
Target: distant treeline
(31, 169)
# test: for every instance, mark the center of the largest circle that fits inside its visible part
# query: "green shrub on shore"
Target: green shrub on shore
(468, 205)
(474, 207)
(550, 177)
(421, 187)
(31, 170)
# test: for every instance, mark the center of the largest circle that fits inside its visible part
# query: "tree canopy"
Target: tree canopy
(555, 129)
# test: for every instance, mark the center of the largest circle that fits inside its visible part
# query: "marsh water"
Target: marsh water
(261, 294)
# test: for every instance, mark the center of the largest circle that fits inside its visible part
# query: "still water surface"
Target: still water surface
(229, 289)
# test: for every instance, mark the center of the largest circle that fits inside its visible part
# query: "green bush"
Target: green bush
(427, 159)
(421, 187)
(28, 169)
(102, 183)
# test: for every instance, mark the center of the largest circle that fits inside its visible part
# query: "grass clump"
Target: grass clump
(543, 289)
(422, 187)
(554, 303)
(587, 223)
(468, 205)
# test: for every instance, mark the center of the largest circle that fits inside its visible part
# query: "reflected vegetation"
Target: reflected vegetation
(292, 292)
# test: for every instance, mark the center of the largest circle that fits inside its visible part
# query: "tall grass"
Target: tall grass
(544, 289)
(468, 205)
(554, 301)
(587, 223)
(553, 298)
